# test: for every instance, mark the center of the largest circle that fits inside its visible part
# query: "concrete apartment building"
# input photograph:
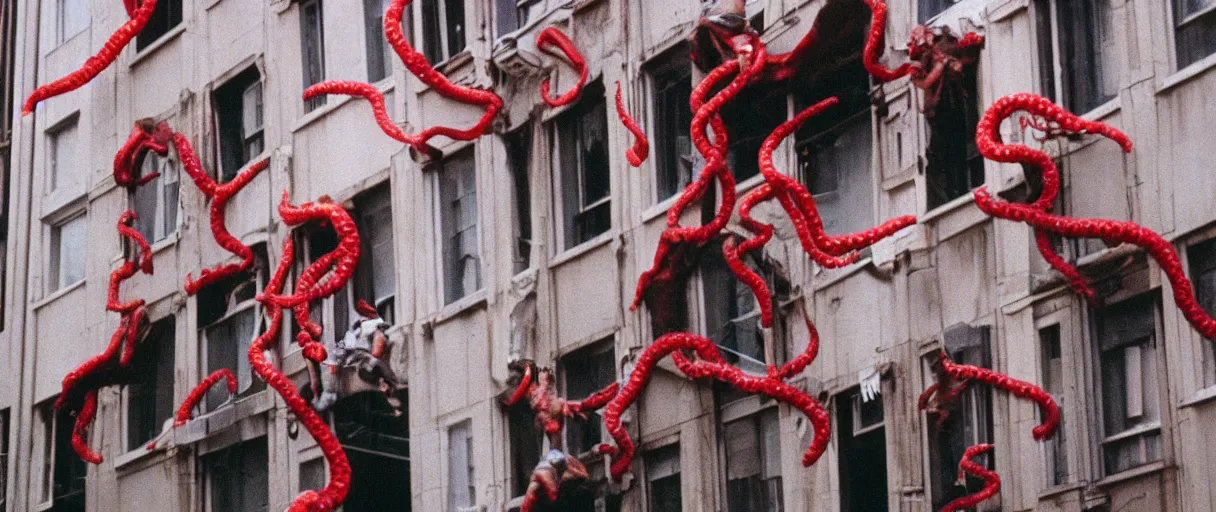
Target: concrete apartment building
(528, 243)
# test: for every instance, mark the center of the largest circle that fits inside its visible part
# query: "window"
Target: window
(1126, 337)
(166, 15)
(1086, 74)
(4, 451)
(8, 56)
(663, 479)
(753, 463)
(519, 155)
(527, 444)
(239, 116)
(507, 17)
(1202, 259)
(443, 33)
(586, 372)
(150, 395)
(379, 53)
(862, 453)
(927, 9)
(732, 316)
(955, 166)
(462, 494)
(834, 151)
(312, 49)
(375, 435)
(68, 253)
(750, 118)
(458, 216)
(1194, 30)
(228, 318)
(376, 277)
(63, 472)
(969, 421)
(672, 81)
(156, 202)
(63, 152)
(582, 157)
(1053, 383)
(238, 478)
(312, 475)
(73, 18)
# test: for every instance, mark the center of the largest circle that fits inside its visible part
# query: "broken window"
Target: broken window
(375, 436)
(527, 444)
(73, 18)
(1194, 30)
(585, 372)
(862, 453)
(1126, 336)
(663, 479)
(237, 478)
(462, 493)
(379, 53)
(834, 150)
(750, 118)
(150, 395)
(955, 166)
(312, 49)
(927, 9)
(67, 253)
(968, 421)
(156, 202)
(458, 217)
(63, 472)
(443, 29)
(1086, 73)
(1053, 384)
(584, 187)
(228, 319)
(731, 314)
(753, 463)
(519, 155)
(166, 15)
(239, 116)
(1202, 259)
(63, 152)
(671, 76)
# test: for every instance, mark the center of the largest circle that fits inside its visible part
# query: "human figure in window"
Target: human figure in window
(358, 362)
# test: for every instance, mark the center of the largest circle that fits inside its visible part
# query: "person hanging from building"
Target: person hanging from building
(357, 362)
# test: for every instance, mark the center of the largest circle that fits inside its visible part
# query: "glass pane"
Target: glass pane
(459, 466)
(71, 252)
(432, 45)
(63, 157)
(1087, 53)
(456, 32)
(673, 116)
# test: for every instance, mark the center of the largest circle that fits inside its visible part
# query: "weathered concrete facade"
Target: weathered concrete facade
(491, 257)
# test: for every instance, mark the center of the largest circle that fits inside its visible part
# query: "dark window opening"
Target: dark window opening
(1088, 62)
(379, 53)
(663, 479)
(4, 456)
(862, 453)
(67, 470)
(166, 15)
(519, 155)
(927, 9)
(1202, 259)
(150, 394)
(969, 421)
(585, 187)
(1131, 416)
(1053, 383)
(1045, 35)
(834, 150)
(458, 218)
(732, 316)
(239, 116)
(585, 372)
(312, 49)
(955, 166)
(229, 317)
(238, 477)
(375, 435)
(375, 279)
(527, 446)
(753, 463)
(1194, 30)
(672, 79)
(443, 29)
(750, 118)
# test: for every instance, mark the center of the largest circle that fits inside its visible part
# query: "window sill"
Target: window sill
(166, 242)
(575, 252)
(130, 458)
(1056, 490)
(463, 305)
(164, 40)
(1187, 74)
(1103, 111)
(954, 205)
(57, 294)
(748, 184)
(837, 275)
(1200, 397)
(334, 102)
(660, 209)
(1131, 474)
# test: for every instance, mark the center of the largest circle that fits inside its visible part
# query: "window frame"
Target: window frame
(232, 310)
(306, 32)
(207, 486)
(50, 419)
(1204, 374)
(1061, 92)
(522, 139)
(445, 53)
(571, 122)
(438, 170)
(1205, 15)
(664, 455)
(376, 42)
(61, 30)
(772, 338)
(467, 425)
(160, 187)
(587, 356)
(755, 411)
(225, 95)
(54, 281)
(55, 179)
(660, 71)
(1068, 440)
(127, 399)
(174, 18)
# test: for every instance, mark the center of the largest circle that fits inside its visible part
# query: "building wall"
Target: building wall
(890, 311)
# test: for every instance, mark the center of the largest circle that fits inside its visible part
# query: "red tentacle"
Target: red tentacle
(641, 147)
(992, 481)
(373, 96)
(874, 45)
(1020, 389)
(144, 137)
(196, 395)
(522, 389)
(598, 400)
(95, 64)
(80, 432)
(549, 38)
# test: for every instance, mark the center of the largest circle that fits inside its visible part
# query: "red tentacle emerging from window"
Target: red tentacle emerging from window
(967, 373)
(545, 41)
(641, 147)
(95, 64)
(144, 137)
(874, 46)
(196, 395)
(992, 481)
